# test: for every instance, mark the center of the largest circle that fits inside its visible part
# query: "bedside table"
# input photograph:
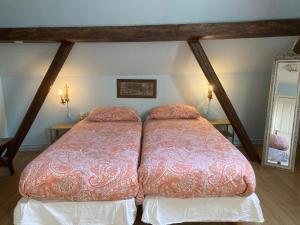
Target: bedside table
(220, 124)
(6, 160)
(56, 130)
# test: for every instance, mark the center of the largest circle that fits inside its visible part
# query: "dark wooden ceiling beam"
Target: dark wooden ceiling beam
(222, 97)
(174, 32)
(39, 98)
(297, 47)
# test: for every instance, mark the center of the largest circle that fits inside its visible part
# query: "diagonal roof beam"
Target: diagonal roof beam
(39, 98)
(222, 97)
(171, 32)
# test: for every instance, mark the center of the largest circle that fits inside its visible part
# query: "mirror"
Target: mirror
(282, 125)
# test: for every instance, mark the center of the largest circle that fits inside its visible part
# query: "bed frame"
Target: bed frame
(140, 213)
(191, 33)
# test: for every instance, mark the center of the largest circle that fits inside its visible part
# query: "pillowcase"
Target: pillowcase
(174, 111)
(105, 114)
(278, 142)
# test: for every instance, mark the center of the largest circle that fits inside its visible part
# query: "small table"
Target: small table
(4, 142)
(6, 159)
(58, 128)
(223, 122)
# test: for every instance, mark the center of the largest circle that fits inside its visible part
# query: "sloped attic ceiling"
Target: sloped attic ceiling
(241, 56)
(228, 56)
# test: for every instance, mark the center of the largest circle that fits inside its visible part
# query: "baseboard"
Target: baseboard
(41, 147)
(254, 141)
(258, 141)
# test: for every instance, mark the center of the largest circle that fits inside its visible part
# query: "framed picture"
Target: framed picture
(136, 88)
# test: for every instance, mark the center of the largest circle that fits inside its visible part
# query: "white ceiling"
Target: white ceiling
(19, 13)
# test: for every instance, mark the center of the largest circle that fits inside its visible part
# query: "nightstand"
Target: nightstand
(56, 130)
(220, 124)
(6, 159)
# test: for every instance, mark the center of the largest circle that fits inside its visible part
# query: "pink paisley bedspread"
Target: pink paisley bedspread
(186, 158)
(93, 161)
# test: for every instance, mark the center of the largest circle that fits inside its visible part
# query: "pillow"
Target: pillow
(103, 114)
(278, 142)
(174, 111)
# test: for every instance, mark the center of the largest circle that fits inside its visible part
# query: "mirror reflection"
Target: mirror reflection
(281, 134)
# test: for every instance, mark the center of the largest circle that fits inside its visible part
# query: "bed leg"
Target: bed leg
(138, 220)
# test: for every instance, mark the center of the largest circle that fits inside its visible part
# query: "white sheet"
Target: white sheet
(278, 155)
(162, 211)
(33, 212)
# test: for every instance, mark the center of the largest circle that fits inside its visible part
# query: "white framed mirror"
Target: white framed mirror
(282, 125)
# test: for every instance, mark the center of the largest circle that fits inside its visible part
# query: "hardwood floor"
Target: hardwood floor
(9, 194)
(279, 192)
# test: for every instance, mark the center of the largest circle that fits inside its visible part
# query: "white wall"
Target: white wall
(85, 93)
(243, 66)
(90, 91)
(3, 125)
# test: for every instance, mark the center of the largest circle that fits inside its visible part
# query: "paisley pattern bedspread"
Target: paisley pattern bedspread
(93, 161)
(186, 158)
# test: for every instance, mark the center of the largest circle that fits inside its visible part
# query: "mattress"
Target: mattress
(94, 161)
(163, 211)
(187, 158)
(34, 212)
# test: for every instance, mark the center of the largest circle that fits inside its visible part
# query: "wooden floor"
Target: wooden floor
(279, 192)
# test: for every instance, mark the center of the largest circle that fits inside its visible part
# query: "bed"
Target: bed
(189, 172)
(88, 176)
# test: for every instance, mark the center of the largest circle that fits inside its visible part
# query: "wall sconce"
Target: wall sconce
(210, 92)
(64, 98)
(292, 67)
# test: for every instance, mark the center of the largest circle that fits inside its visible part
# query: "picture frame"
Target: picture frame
(136, 88)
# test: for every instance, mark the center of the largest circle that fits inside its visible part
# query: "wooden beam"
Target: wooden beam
(173, 32)
(40, 96)
(221, 95)
(297, 47)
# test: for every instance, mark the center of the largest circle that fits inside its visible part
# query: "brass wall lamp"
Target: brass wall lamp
(64, 98)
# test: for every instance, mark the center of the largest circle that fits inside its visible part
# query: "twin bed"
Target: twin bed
(188, 172)
(89, 176)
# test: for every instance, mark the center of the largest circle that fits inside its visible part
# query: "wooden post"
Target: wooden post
(221, 95)
(297, 47)
(39, 98)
